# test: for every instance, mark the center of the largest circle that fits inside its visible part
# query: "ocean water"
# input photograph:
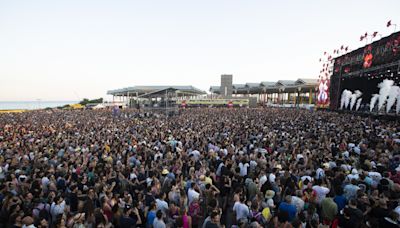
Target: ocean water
(31, 105)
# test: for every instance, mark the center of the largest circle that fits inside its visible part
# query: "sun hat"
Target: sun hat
(164, 172)
(269, 194)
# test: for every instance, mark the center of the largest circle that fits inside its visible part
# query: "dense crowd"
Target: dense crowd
(201, 168)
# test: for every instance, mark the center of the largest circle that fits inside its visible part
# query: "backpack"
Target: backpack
(256, 215)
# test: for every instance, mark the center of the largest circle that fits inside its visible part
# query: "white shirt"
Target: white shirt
(157, 223)
(321, 192)
(375, 176)
(298, 202)
(196, 154)
(320, 173)
(270, 203)
(149, 181)
(397, 210)
(263, 179)
(218, 172)
(271, 178)
(253, 164)
(132, 176)
(242, 210)
(162, 205)
(346, 154)
(243, 169)
(45, 181)
(192, 194)
(298, 156)
(332, 164)
(352, 176)
(345, 167)
(56, 209)
(158, 156)
(304, 178)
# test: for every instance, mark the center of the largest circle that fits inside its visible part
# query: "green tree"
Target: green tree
(86, 101)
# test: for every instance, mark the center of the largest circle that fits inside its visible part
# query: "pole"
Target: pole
(176, 100)
(137, 101)
(338, 89)
(166, 104)
(278, 98)
(300, 99)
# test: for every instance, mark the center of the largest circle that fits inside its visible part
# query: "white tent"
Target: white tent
(99, 106)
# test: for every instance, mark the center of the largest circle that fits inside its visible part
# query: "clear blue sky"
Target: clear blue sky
(67, 50)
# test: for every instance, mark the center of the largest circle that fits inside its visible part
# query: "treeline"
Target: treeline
(86, 101)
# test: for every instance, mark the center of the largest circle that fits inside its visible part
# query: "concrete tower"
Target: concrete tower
(226, 86)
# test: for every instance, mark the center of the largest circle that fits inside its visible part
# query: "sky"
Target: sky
(69, 50)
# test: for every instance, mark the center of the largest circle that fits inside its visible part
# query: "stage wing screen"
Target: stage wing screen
(381, 52)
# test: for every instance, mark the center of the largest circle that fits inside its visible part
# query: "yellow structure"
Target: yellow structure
(76, 106)
(13, 111)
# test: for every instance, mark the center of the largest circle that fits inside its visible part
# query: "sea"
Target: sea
(32, 105)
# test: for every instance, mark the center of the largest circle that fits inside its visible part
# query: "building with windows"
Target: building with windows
(300, 91)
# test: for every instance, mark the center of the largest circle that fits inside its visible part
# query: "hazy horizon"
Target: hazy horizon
(67, 51)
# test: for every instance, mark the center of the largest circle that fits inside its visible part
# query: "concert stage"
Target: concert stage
(363, 70)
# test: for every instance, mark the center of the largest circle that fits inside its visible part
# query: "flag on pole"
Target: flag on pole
(389, 23)
(361, 38)
(374, 34)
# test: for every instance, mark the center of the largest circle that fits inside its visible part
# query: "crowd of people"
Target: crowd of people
(204, 167)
